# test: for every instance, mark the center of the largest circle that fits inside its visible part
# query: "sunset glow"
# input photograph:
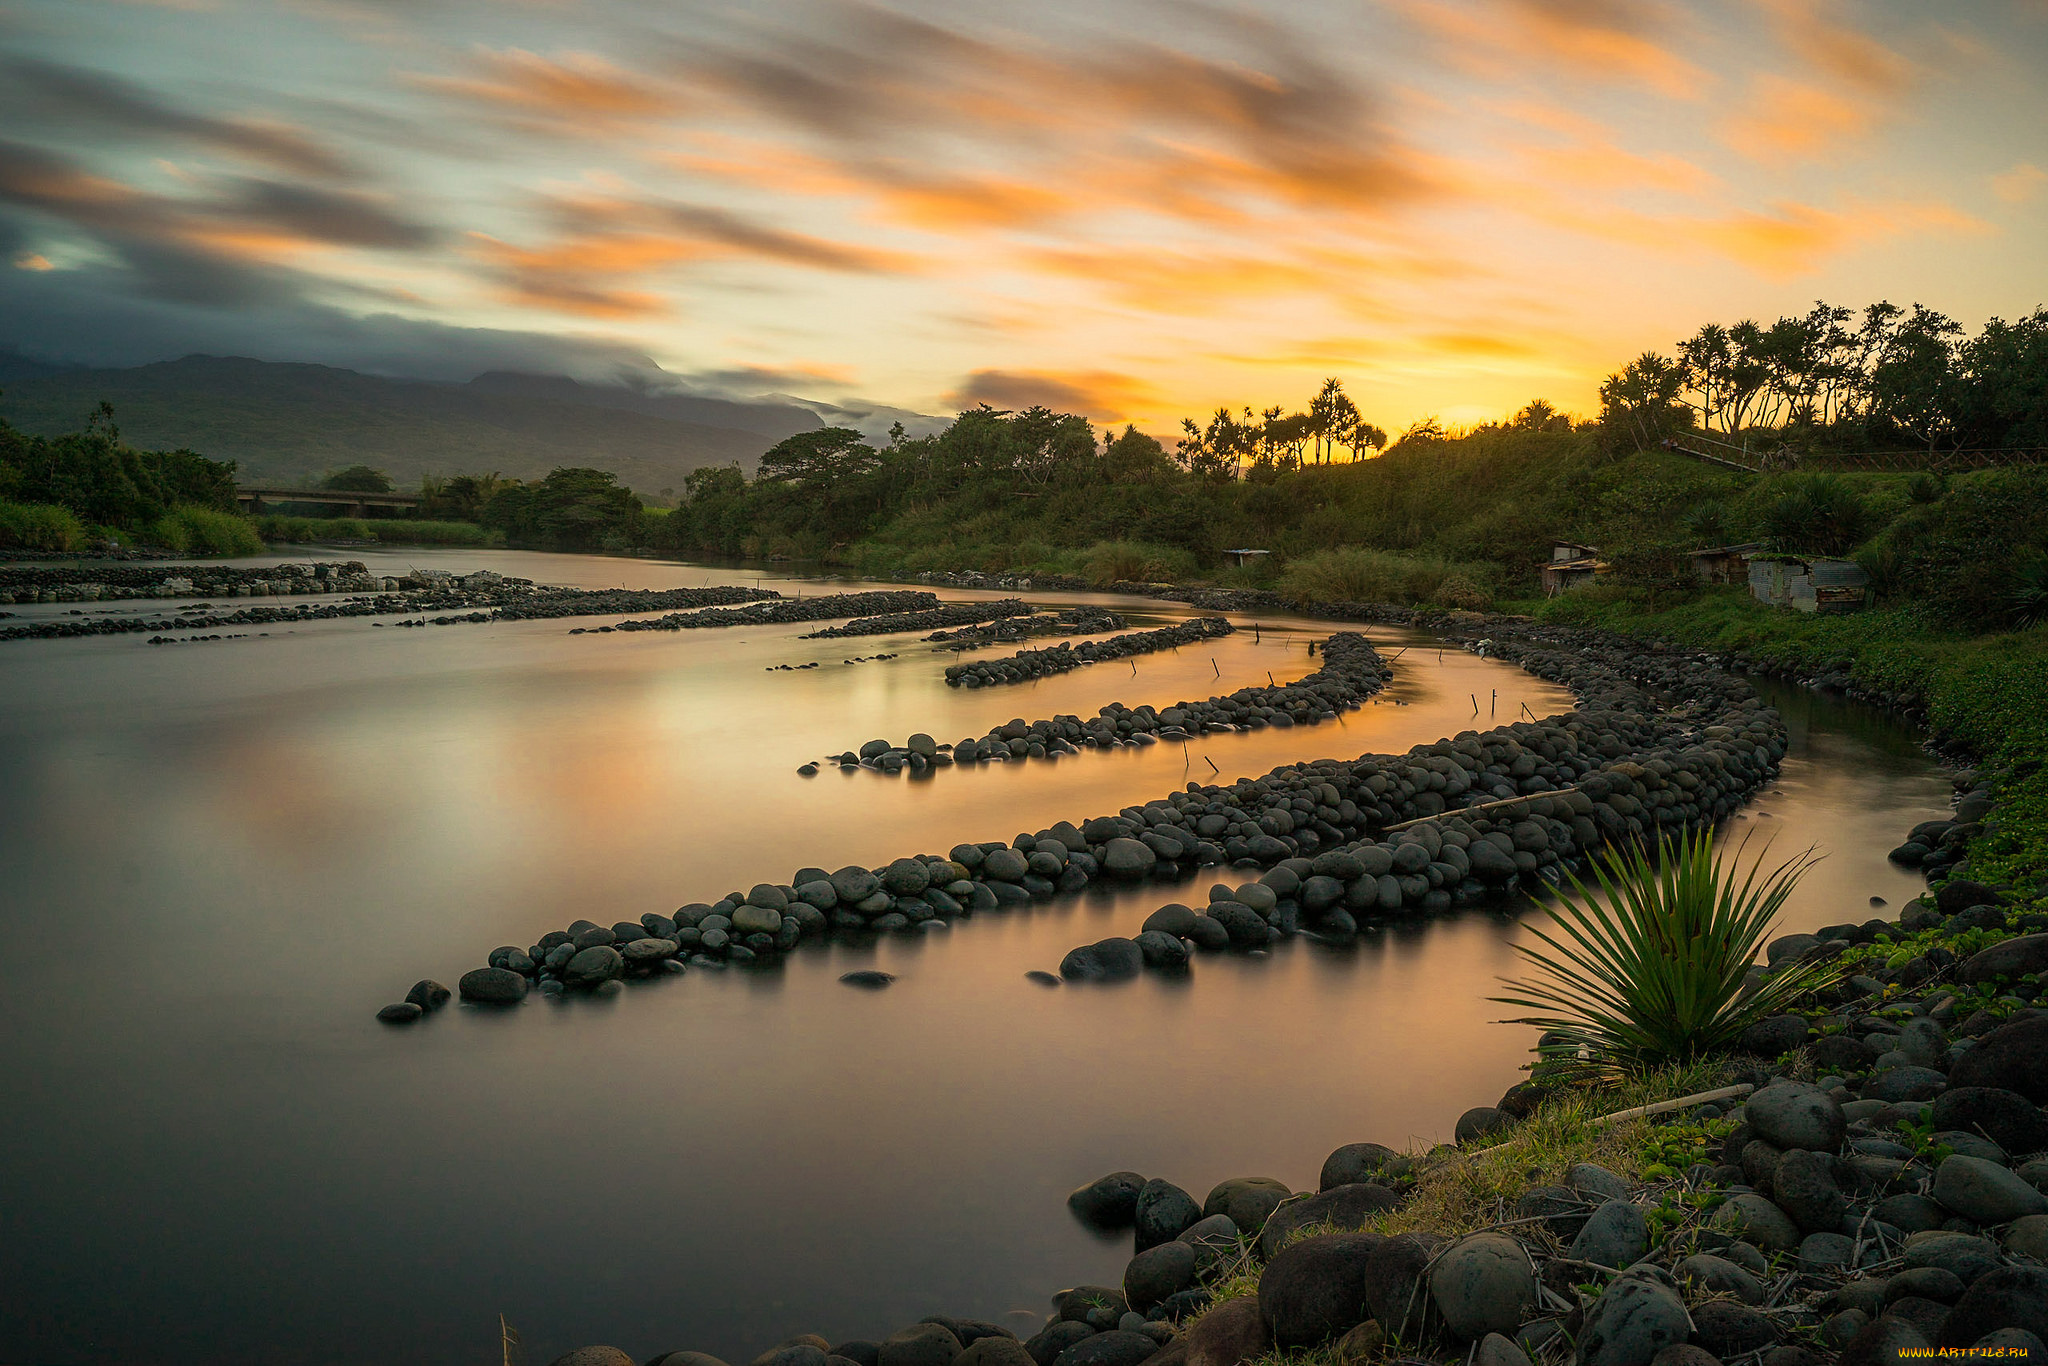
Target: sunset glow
(1136, 211)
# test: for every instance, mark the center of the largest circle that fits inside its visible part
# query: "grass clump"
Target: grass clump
(192, 530)
(1651, 966)
(40, 526)
(1359, 575)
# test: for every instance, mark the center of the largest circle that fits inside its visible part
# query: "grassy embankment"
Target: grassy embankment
(276, 527)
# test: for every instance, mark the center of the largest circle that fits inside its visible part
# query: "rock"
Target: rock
(1926, 1282)
(1483, 1284)
(2012, 1057)
(970, 1331)
(753, 919)
(1497, 1350)
(594, 1356)
(1803, 1185)
(428, 994)
(1683, 1354)
(1730, 1330)
(1966, 1254)
(1174, 919)
(921, 1344)
(1563, 1210)
(1090, 1303)
(2007, 1118)
(1794, 1115)
(1315, 1289)
(2014, 1344)
(1636, 1317)
(400, 1012)
(1360, 1162)
(1720, 1276)
(996, 1350)
(1056, 1338)
(1343, 1208)
(793, 1354)
(1164, 1211)
(593, 966)
(1910, 1211)
(1162, 950)
(1597, 1183)
(2010, 1297)
(1905, 1083)
(1756, 1219)
(1394, 1291)
(1157, 1272)
(1248, 1200)
(1109, 1201)
(1107, 960)
(1230, 1334)
(2028, 1237)
(1364, 1344)
(1820, 1253)
(1213, 1239)
(1127, 858)
(692, 1359)
(1984, 1192)
(871, 978)
(1041, 978)
(1617, 1235)
(1481, 1121)
(1114, 1348)
(1776, 1034)
(492, 986)
(2010, 958)
(1882, 1341)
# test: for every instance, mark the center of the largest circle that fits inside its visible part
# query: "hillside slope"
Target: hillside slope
(290, 423)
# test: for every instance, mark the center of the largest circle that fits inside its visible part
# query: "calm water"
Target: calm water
(217, 861)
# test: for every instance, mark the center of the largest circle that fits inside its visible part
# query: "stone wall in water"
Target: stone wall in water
(1658, 742)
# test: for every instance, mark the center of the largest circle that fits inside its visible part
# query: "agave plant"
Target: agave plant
(1651, 964)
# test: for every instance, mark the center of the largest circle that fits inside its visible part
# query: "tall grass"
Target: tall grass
(1650, 966)
(389, 531)
(1360, 575)
(40, 526)
(191, 530)
(1111, 562)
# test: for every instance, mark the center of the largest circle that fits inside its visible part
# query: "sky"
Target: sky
(1133, 210)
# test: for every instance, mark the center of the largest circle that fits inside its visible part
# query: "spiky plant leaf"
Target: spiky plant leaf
(1651, 964)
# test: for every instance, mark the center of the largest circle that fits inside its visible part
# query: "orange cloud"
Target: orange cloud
(2020, 184)
(573, 88)
(1104, 395)
(1608, 40)
(1786, 120)
(1815, 33)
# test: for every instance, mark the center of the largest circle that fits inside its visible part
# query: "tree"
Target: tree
(1135, 458)
(358, 479)
(1640, 405)
(1539, 415)
(1913, 379)
(828, 453)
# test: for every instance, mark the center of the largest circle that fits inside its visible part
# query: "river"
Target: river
(220, 859)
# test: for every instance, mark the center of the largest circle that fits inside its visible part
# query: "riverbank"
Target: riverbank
(1852, 1183)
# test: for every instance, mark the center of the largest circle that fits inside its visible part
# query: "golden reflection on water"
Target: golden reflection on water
(273, 837)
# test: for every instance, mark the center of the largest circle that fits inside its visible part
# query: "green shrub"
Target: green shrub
(1650, 969)
(40, 526)
(405, 531)
(1356, 575)
(1816, 514)
(1135, 562)
(191, 530)
(1459, 591)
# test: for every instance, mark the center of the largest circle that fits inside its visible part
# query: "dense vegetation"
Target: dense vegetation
(70, 492)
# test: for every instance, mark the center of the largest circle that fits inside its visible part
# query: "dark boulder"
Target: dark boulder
(2012, 1057)
(1108, 1201)
(1248, 1200)
(1315, 1289)
(1158, 1272)
(1730, 1330)
(492, 986)
(1342, 1208)
(1163, 1212)
(1394, 1288)
(2007, 1118)
(1114, 1348)
(1107, 960)
(428, 994)
(1360, 1162)
(1045, 1348)
(921, 1344)
(1230, 1334)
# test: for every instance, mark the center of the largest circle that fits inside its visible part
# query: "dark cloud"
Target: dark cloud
(751, 238)
(1105, 395)
(340, 217)
(95, 316)
(69, 95)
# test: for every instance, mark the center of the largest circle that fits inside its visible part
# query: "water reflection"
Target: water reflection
(220, 859)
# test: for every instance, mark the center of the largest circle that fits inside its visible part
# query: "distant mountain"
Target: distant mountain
(14, 367)
(291, 423)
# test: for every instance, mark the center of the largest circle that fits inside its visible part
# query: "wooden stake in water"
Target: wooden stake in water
(514, 1353)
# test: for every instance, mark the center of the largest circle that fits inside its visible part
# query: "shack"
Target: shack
(1808, 583)
(1725, 563)
(1571, 564)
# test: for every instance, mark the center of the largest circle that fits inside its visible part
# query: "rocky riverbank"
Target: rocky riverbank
(929, 619)
(772, 609)
(1656, 743)
(1029, 664)
(1065, 621)
(1863, 1183)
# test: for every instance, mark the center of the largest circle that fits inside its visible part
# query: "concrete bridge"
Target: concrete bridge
(258, 500)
